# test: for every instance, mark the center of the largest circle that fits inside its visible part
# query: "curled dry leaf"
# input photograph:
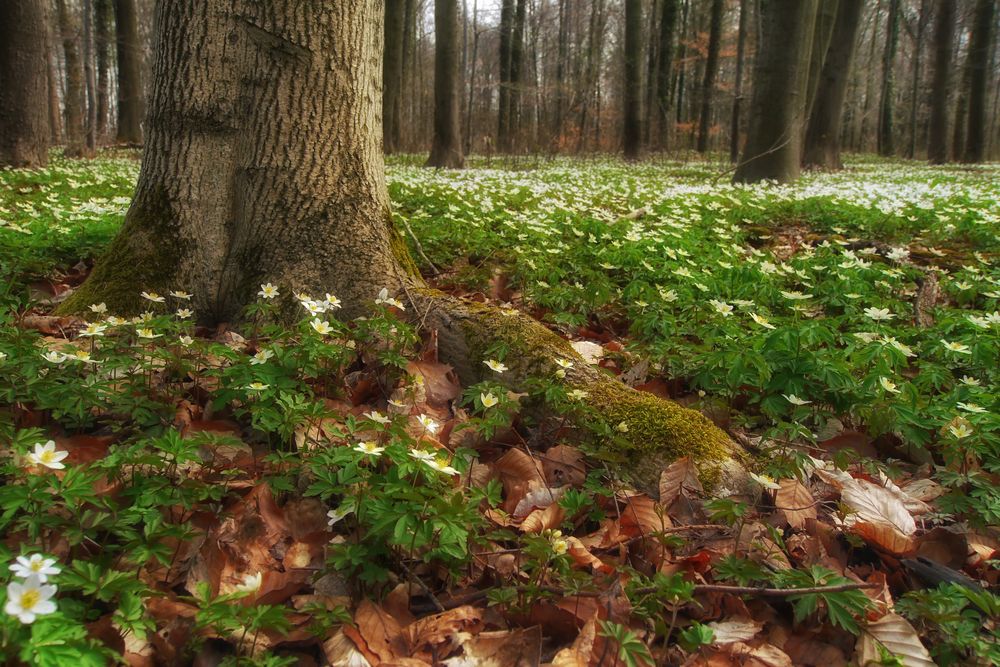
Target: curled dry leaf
(579, 654)
(895, 634)
(679, 477)
(435, 635)
(924, 490)
(564, 466)
(377, 635)
(341, 652)
(590, 351)
(582, 556)
(439, 381)
(538, 498)
(764, 654)
(735, 630)
(543, 519)
(880, 517)
(795, 502)
(641, 515)
(514, 648)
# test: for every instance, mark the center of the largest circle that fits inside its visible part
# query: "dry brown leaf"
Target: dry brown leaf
(579, 654)
(735, 630)
(590, 351)
(945, 545)
(563, 466)
(519, 474)
(880, 517)
(983, 547)
(513, 648)
(896, 635)
(538, 498)
(763, 654)
(341, 652)
(377, 635)
(439, 382)
(679, 476)
(924, 490)
(641, 515)
(426, 636)
(543, 519)
(582, 556)
(795, 502)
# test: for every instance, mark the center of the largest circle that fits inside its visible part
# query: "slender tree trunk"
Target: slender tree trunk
(472, 77)
(236, 190)
(664, 69)
(392, 73)
(131, 97)
(24, 83)
(961, 111)
(652, 55)
(516, 74)
(826, 17)
(980, 52)
(410, 74)
(870, 80)
(734, 124)
(102, 24)
(944, 37)
(75, 102)
(632, 127)
(682, 69)
(886, 140)
(711, 69)
(823, 133)
(504, 111)
(55, 104)
(781, 73)
(562, 68)
(90, 76)
(447, 148)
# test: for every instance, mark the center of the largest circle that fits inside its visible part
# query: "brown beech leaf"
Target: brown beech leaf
(377, 635)
(982, 547)
(895, 634)
(641, 515)
(439, 381)
(538, 498)
(543, 519)
(762, 654)
(427, 635)
(880, 517)
(579, 654)
(679, 476)
(563, 466)
(945, 545)
(735, 630)
(795, 502)
(581, 556)
(516, 648)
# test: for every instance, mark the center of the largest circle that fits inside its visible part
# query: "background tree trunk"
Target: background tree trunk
(55, 104)
(915, 85)
(102, 25)
(131, 97)
(781, 72)
(823, 132)
(741, 41)
(944, 37)
(503, 112)
(961, 111)
(24, 83)
(392, 73)
(75, 103)
(886, 140)
(980, 53)
(711, 69)
(826, 17)
(90, 77)
(632, 125)
(516, 74)
(664, 70)
(447, 148)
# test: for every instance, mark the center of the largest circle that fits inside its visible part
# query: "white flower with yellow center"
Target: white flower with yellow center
(81, 355)
(185, 340)
(441, 465)
(29, 599)
(331, 301)
(721, 307)
(314, 307)
(261, 357)
(250, 583)
(99, 308)
(54, 357)
(959, 348)
(147, 333)
(795, 296)
(369, 448)
(152, 296)
(47, 455)
(184, 313)
(765, 481)
(971, 407)
(429, 424)
(384, 298)
(970, 381)
(960, 430)
(377, 417)
(93, 329)
(113, 321)
(495, 366)
(422, 455)
(577, 394)
(37, 565)
(179, 294)
(761, 320)
(268, 291)
(257, 386)
(888, 385)
(488, 400)
(795, 400)
(879, 314)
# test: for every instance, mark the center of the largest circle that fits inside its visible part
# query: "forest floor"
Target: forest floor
(329, 494)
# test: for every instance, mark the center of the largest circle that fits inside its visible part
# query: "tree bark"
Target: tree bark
(446, 150)
(102, 24)
(826, 17)
(915, 84)
(980, 52)
(90, 77)
(75, 103)
(24, 83)
(632, 125)
(516, 74)
(236, 189)
(711, 69)
(886, 140)
(734, 124)
(664, 70)
(944, 37)
(961, 111)
(503, 112)
(823, 133)
(55, 105)
(392, 73)
(131, 97)
(781, 72)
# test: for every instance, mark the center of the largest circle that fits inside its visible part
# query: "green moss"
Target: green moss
(401, 252)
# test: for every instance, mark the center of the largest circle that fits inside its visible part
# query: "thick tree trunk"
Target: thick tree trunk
(980, 52)
(69, 25)
(734, 124)
(961, 111)
(944, 37)
(516, 74)
(504, 113)
(392, 73)
(823, 134)
(102, 24)
(632, 126)
(236, 189)
(781, 72)
(664, 70)
(447, 148)
(826, 17)
(886, 139)
(24, 81)
(131, 97)
(711, 69)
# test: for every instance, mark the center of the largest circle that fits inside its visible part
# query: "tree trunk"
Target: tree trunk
(447, 148)
(664, 70)
(503, 112)
(826, 17)
(944, 37)
(131, 97)
(55, 105)
(734, 125)
(392, 73)
(682, 69)
(69, 25)
(24, 83)
(516, 74)
(870, 80)
(236, 190)
(562, 68)
(961, 111)
(711, 68)
(823, 133)
(886, 140)
(632, 126)
(980, 52)
(89, 76)
(102, 23)
(781, 72)
(918, 54)
(472, 78)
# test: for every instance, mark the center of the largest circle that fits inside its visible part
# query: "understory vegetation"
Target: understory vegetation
(328, 493)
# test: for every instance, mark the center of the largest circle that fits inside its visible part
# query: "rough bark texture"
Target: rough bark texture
(826, 17)
(944, 37)
(822, 143)
(446, 150)
(886, 138)
(711, 69)
(90, 77)
(503, 114)
(516, 73)
(392, 74)
(102, 45)
(980, 52)
(236, 189)
(774, 136)
(24, 104)
(664, 70)
(734, 123)
(131, 97)
(632, 128)
(75, 102)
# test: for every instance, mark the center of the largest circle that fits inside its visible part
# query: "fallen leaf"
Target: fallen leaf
(377, 635)
(642, 515)
(879, 517)
(513, 648)
(895, 634)
(735, 630)
(563, 466)
(543, 519)
(591, 352)
(679, 476)
(795, 502)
